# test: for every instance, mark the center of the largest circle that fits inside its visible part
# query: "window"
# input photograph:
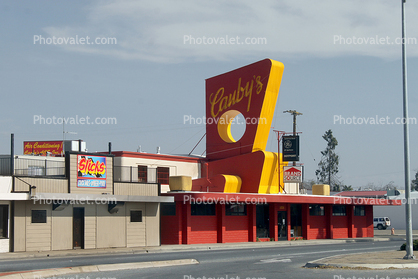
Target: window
(339, 210)
(163, 175)
(168, 209)
(316, 210)
(38, 216)
(142, 174)
(203, 209)
(136, 216)
(236, 210)
(359, 210)
(36, 170)
(4, 218)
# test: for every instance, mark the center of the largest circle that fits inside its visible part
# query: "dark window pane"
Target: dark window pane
(338, 210)
(4, 216)
(136, 216)
(359, 210)
(38, 216)
(142, 174)
(163, 175)
(203, 209)
(316, 210)
(236, 209)
(168, 209)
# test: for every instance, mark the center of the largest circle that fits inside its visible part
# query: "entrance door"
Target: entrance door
(282, 225)
(263, 215)
(78, 227)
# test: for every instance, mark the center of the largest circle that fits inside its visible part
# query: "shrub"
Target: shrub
(414, 244)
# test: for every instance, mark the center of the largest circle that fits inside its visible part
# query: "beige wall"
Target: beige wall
(90, 227)
(102, 229)
(43, 185)
(153, 224)
(20, 226)
(111, 228)
(62, 229)
(136, 234)
(176, 168)
(136, 189)
(38, 236)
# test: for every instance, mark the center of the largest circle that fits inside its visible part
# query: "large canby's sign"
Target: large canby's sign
(251, 91)
(91, 171)
(42, 147)
(242, 164)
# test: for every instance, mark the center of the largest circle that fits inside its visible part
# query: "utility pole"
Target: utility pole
(408, 217)
(294, 113)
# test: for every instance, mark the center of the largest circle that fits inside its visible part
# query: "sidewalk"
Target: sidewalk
(373, 260)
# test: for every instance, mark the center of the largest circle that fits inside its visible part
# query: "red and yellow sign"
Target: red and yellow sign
(252, 91)
(42, 147)
(91, 171)
(242, 165)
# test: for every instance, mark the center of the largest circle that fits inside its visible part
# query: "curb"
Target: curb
(318, 264)
(96, 268)
(188, 248)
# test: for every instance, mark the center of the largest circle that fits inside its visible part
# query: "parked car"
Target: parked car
(381, 223)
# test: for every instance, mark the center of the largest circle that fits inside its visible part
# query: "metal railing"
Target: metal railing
(32, 167)
(130, 174)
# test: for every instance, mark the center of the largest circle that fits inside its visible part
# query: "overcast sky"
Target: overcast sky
(342, 60)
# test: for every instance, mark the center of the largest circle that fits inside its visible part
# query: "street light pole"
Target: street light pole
(294, 113)
(409, 244)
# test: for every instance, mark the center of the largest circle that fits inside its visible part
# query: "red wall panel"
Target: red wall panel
(360, 226)
(236, 229)
(170, 232)
(339, 227)
(203, 229)
(317, 227)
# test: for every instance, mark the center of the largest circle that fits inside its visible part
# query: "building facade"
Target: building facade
(75, 202)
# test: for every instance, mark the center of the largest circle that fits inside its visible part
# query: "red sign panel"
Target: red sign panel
(42, 147)
(251, 91)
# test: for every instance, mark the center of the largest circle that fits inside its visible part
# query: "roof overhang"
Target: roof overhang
(99, 199)
(211, 197)
(14, 196)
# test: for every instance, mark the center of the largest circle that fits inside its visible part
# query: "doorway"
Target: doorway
(78, 227)
(296, 220)
(263, 217)
(282, 225)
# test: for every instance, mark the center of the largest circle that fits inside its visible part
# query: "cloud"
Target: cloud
(192, 30)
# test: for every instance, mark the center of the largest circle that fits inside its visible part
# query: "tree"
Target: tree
(308, 184)
(372, 187)
(328, 166)
(347, 188)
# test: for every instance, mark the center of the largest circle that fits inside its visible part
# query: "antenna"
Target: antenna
(66, 132)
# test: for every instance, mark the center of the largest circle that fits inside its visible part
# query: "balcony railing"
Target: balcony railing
(32, 167)
(130, 174)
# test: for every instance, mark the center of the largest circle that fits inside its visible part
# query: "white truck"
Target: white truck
(381, 223)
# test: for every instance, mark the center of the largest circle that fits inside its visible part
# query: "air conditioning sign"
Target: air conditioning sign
(292, 174)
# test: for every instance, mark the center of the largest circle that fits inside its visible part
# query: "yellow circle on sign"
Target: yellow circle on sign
(224, 125)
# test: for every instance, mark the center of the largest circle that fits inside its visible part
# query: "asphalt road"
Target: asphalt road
(261, 263)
